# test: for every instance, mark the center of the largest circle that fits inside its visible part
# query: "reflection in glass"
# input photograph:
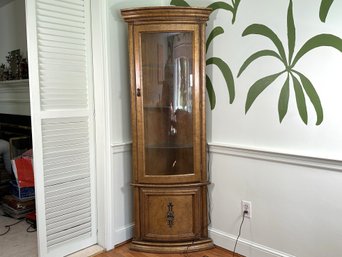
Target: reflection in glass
(182, 91)
(166, 60)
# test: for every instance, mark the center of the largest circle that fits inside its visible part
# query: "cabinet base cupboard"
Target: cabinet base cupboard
(167, 71)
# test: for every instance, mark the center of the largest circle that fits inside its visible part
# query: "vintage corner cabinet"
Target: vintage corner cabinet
(167, 71)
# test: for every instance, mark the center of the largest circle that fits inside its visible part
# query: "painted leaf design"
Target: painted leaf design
(257, 55)
(258, 87)
(236, 6)
(179, 3)
(236, 3)
(221, 5)
(283, 102)
(313, 96)
(211, 93)
(214, 33)
(263, 30)
(300, 99)
(324, 9)
(317, 41)
(291, 31)
(227, 74)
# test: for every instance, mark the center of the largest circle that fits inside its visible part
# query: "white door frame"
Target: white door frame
(105, 198)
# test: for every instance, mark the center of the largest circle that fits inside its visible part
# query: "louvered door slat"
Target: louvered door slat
(58, 208)
(59, 50)
(68, 216)
(62, 45)
(62, 57)
(50, 167)
(57, 85)
(62, 67)
(66, 223)
(61, 28)
(74, 2)
(67, 172)
(60, 39)
(61, 53)
(48, 13)
(71, 2)
(60, 238)
(65, 11)
(68, 188)
(75, 178)
(61, 33)
(52, 20)
(65, 161)
(69, 165)
(55, 212)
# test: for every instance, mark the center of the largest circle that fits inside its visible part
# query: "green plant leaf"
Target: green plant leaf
(255, 56)
(324, 9)
(283, 102)
(214, 33)
(179, 3)
(260, 29)
(221, 5)
(227, 74)
(211, 92)
(258, 87)
(235, 6)
(291, 31)
(300, 99)
(313, 96)
(317, 41)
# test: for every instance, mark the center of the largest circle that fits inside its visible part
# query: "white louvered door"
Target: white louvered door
(59, 50)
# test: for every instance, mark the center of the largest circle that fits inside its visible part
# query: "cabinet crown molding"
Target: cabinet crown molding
(165, 13)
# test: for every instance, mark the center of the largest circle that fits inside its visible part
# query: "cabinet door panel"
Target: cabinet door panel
(168, 103)
(170, 214)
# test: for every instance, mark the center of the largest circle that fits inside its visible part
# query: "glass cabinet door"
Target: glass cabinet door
(166, 102)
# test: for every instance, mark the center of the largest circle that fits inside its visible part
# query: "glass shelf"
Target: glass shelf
(169, 160)
(156, 107)
(168, 146)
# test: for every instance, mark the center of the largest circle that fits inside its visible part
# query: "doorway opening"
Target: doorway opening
(18, 236)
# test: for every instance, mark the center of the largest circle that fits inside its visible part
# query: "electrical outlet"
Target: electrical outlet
(246, 206)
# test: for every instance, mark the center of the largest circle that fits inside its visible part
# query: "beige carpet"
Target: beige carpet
(17, 242)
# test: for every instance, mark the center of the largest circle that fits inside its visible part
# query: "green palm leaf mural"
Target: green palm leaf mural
(218, 62)
(233, 7)
(324, 9)
(303, 88)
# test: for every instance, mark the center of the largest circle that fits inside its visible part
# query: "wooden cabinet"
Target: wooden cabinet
(167, 70)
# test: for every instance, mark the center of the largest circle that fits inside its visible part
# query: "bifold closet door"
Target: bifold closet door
(61, 91)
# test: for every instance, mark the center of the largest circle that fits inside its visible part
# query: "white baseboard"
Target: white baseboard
(123, 234)
(244, 247)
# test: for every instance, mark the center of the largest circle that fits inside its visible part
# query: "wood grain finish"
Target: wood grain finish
(167, 69)
(124, 251)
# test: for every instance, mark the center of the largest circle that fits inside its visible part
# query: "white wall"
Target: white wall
(120, 123)
(12, 29)
(291, 172)
(260, 126)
